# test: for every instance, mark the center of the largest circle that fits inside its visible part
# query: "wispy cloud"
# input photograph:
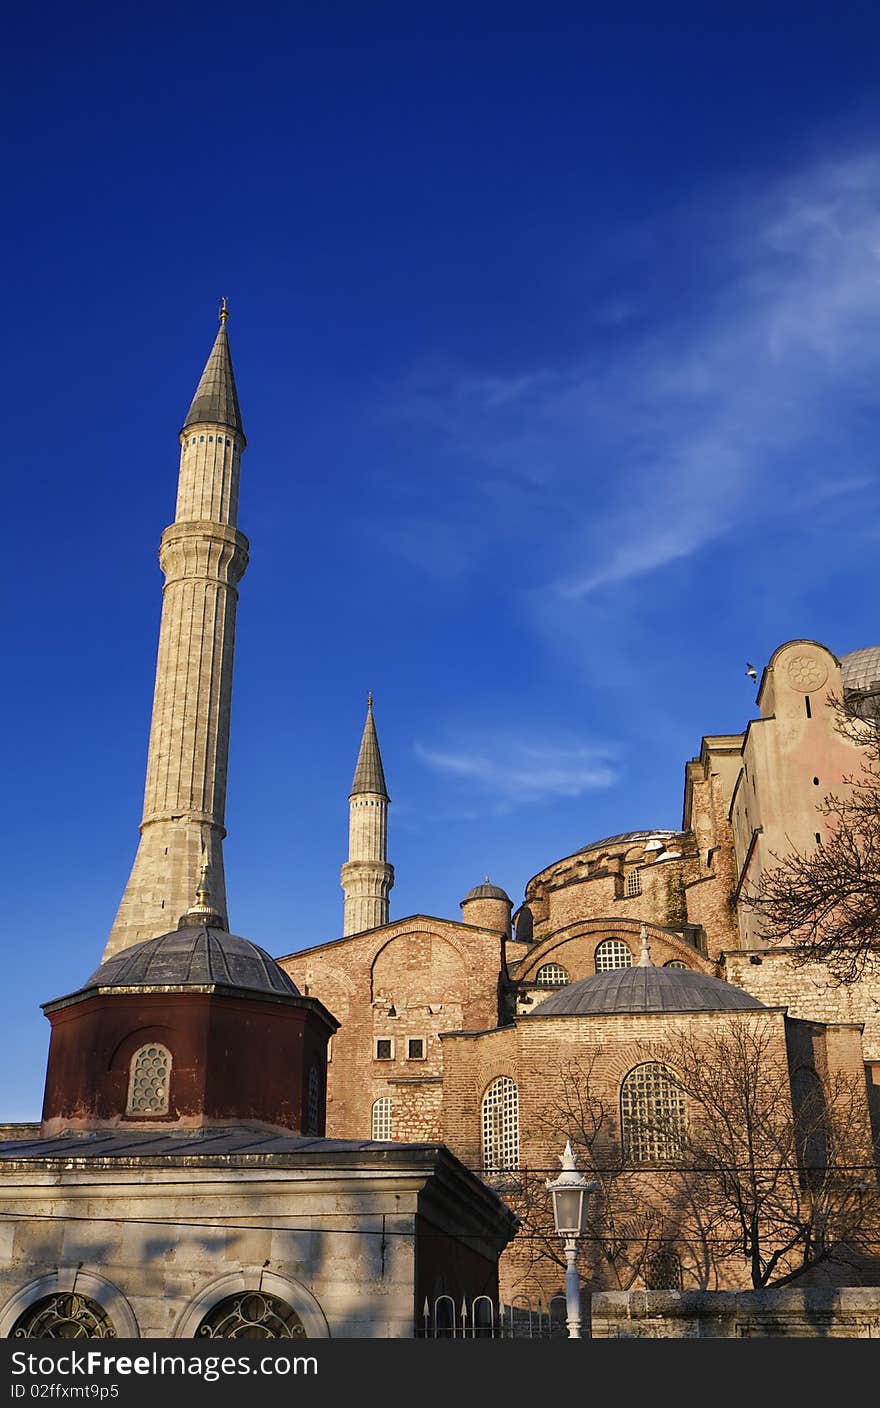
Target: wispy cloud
(508, 770)
(717, 410)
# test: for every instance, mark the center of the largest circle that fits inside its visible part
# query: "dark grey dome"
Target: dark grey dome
(647, 989)
(487, 891)
(860, 670)
(194, 957)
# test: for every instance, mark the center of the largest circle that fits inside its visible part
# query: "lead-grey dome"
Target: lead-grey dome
(860, 670)
(645, 989)
(194, 957)
(487, 891)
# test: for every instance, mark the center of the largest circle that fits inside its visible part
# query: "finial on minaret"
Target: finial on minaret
(645, 959)
(224, 312)
(369, 699)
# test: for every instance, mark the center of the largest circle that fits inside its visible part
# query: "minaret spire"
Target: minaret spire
(367, 878)
(203, 557)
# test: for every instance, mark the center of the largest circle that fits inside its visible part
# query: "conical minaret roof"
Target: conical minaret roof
(369, 775)
(216, 399)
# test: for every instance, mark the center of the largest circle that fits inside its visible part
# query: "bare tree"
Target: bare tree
(826, 905)
(786, 1168)
(759, 1180)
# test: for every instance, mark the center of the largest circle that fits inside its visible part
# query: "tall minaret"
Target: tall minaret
(203, 556)
(367, 877)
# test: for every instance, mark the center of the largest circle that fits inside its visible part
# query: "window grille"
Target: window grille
(314, 1102)
(611, 954)
(382, 1118)
(552, 975)
(501, 1127)
(653, 1114)
(252, 1315)
(633, 884)
(64, 1317)
(663, 1270)
(148, 1081)
(675, 963)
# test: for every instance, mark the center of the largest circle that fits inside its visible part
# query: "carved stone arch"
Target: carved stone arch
(66, 1279)
(293, 1293)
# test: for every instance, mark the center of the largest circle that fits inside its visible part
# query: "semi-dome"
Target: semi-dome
(194, 957)
(644, 989)
(487, 891)
(860, 670)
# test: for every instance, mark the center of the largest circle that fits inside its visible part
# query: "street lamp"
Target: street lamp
(570, 1193)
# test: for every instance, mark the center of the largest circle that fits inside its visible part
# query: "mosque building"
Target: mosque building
(423, 1069)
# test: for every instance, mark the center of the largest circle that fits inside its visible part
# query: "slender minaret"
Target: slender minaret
(203, 556)
(367, 877)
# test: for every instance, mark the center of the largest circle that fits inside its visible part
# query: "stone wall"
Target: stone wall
(848, 1313)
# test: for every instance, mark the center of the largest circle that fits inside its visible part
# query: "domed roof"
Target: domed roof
(487, 891)
(644, 989)
(194, 957)
(861, 670)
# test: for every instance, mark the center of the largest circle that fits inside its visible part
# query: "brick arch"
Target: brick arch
(663, 943)
(451, 982)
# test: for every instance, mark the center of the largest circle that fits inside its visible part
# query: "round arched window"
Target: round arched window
(64, 1316)
(611, 954)
(251, 1315)
(148, 1080)
(675, 963)
(500, 1120)
(552, 975)
(653, 1114)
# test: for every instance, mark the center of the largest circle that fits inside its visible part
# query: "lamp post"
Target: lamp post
(570, 1193)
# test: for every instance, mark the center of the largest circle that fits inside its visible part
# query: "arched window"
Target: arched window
(675, 963)
(811, 1126)
(65, 1316)
(501, 1127)
(552, 975)
(653, 1114)
(611, 954)
(148, 1081)
(253, 1315)
(382, 1118)
(314, 1102)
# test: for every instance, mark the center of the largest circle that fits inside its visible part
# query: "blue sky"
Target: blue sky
(557, 337)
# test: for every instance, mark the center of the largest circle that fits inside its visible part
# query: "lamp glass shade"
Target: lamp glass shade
(568, 1211)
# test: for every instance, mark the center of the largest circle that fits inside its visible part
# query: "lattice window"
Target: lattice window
(552, 975)
(653, 1114)
(675, 963)
(611, 954)
(148, 1082)
(382, 1118)
(65, 1316)
(633, 884)
(252, 1315)
(314, 1102)
(663, 1270)
(501, 1126)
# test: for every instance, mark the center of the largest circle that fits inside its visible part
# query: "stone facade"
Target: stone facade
(352, 1241)
(852, 1313)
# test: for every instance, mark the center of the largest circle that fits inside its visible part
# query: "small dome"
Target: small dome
(645, 989)
(194, 957)
(487, 891)
(860, 670)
